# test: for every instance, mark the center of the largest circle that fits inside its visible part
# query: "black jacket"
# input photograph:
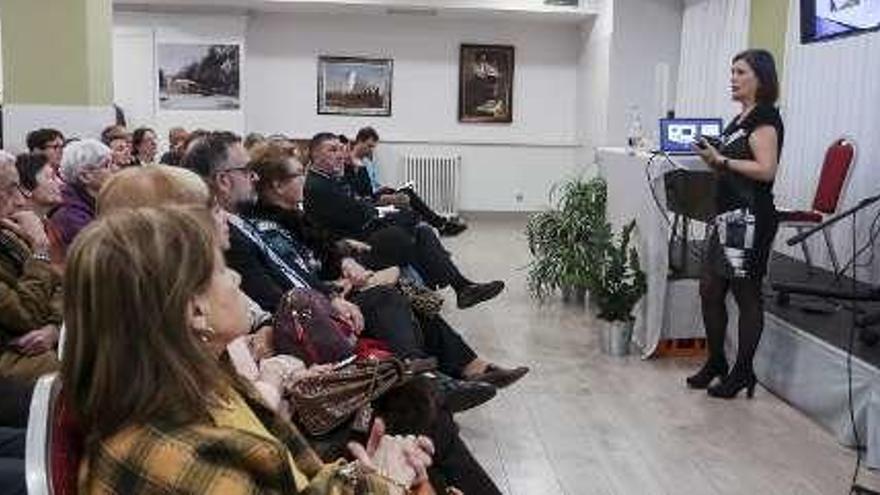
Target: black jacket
(261, 277)
(358, 180)
(331, 205)
(318, 241)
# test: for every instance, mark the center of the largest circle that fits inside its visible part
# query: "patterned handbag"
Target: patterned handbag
(321, 403)
(421, 298)
(307, 326)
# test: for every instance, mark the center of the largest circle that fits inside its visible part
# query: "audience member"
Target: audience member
(177, 138)
(118, 139)
(49, 142)
(254, 139)
(165, 185)
(30, 288)
(85, 167)
(42, 187)
(177, 421)
(144, 144)
(329, 202)
(362, 173)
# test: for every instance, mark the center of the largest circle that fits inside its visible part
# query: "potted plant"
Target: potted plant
(565, 241)
(618, 286)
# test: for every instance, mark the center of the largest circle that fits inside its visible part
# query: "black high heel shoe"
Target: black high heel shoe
(707, 373)
(730, 386)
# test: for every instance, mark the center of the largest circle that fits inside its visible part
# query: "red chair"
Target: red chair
(835, 170)
(54, 443)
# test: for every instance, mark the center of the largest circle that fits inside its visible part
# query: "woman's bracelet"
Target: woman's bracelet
(723, 163)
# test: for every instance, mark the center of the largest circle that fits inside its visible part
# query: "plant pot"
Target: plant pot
(615, 336)
(576, 295)
(592, 305)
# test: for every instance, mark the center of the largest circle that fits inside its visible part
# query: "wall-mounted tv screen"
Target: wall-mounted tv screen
(826, 19)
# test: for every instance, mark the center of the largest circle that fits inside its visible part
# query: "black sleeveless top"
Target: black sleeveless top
(736, 190)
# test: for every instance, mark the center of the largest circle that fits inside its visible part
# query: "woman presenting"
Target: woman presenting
(745, 162)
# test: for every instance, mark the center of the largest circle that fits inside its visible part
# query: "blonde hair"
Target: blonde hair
(130, 356)
(152, 186)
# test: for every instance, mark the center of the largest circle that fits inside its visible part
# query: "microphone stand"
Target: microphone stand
(801, 237)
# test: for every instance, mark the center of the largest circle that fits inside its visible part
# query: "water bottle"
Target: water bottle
(634, 134)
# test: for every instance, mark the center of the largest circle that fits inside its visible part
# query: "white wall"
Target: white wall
(629, 53)
(506, 166)
(135, 74)
(712, 33)
(571, 89)
(830, 90)
(647, 37)
(594, 80)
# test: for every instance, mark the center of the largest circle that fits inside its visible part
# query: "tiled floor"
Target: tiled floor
(585, 423)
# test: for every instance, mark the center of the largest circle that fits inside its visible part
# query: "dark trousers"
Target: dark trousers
(388, 317)
(419, 248)
(454, 462)
(15, 402)
(424, 211)
(12, 480)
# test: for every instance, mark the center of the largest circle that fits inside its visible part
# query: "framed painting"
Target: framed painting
(199, 76)
(485, 85)
(354, 86)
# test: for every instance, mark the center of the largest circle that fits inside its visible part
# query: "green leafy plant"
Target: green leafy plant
(566, 241)
(620, 282)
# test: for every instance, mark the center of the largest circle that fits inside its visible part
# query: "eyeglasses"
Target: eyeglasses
(245, 169)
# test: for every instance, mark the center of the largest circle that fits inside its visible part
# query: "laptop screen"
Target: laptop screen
(677, 135)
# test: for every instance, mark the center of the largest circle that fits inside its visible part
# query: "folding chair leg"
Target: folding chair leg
(831, 252)
(806, 250)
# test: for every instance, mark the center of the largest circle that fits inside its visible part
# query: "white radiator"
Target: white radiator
(436, 179)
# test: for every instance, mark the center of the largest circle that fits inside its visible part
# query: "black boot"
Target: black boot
(703, 378)
(737, 380)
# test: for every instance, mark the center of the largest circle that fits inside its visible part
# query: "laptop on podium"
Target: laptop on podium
(677, 134)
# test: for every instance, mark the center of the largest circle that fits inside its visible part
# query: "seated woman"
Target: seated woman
(30, 287)
(43, 190)
(178, 187)
(173, 419)
(84, 168)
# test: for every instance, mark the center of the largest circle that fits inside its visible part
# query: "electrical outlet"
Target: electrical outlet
(518, 195)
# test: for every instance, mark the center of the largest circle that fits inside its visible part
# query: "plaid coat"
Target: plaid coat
(205, 458)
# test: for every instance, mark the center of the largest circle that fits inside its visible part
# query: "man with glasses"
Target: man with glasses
(49, 142)
(30, 288)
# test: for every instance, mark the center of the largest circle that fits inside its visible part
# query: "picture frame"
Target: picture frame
(354, 86)
(485, 83)
(199, 76)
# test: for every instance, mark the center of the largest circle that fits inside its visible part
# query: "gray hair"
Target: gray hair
(80, 156)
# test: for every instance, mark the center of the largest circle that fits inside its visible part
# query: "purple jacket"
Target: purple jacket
(76, 211)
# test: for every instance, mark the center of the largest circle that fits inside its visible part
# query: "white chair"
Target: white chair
(39, 436)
